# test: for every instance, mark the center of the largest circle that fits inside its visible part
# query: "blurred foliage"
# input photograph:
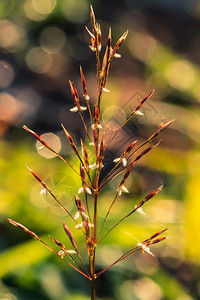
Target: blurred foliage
(42, 44)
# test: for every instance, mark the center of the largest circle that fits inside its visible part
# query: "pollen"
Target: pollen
(140, 210)
(145, 248)
(122, 189)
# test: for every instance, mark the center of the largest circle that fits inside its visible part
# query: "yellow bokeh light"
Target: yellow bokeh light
(181, 74)
(52, 39)
(12, 36)
(112, 112)
(38, 60)
(143, 46)
(8, 296)
(197, 91)
(44, 6)
(31, 13)
(6, 74)
(9, 108)
(75, 10)
(53, 141)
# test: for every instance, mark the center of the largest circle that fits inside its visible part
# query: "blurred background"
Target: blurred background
(42, 45)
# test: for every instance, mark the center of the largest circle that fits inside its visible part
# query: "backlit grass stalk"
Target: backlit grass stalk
(87, 209)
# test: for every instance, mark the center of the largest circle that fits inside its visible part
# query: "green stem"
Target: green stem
(93, 247)
(92, 271)
(93, 293)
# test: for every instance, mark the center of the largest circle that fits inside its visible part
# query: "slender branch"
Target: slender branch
(140, 204)
(140, 246)
(85, 93)
(53, 151)
(102, 226)
(127, 254)
(35, 236)
(54, 197)
(87, 207)
(161, 127)
(66, 252)
(136, 109)
(76, 152)
(118, 171)
(85, 126)
(79, 271)
(73, 242)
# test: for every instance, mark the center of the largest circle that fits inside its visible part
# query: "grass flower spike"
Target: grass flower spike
(92, 182)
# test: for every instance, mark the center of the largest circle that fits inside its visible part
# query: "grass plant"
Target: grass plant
(92, 183)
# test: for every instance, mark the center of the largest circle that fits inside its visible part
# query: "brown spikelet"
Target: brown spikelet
(101, 153)
(92, 17)
(146, 151)
(33, 133)
(85, 156)
(158, 240)
(99, 163)
(70, 235)
(49, 191)
(158, 233)
(85, 92)
(149, 196)
(74, 92)
(153, 236)
(78, 202)
(92, 39)
(38, 178)
(119, 42)
(98, 36)
(129, 148)
(137, 108)
(96, 115)
(80, 206)
(31, 233)
(90, 33)
(70, 139)
(57, 242)
(163, 126)
(105, 65)
(109, 38)
(75, 96)
(39, 138)
(82, 172)
(126, 176)
(49, 147)
(82, 212)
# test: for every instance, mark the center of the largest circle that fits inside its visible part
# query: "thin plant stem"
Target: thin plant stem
(53, 151)
(154, 135)
(140, 204)
(87, 207)
(110, 207)
(93, 291)
(136, 109)
(85, 126)
(76, 151)
(89, 109)
(127, 254)
(119, 170)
